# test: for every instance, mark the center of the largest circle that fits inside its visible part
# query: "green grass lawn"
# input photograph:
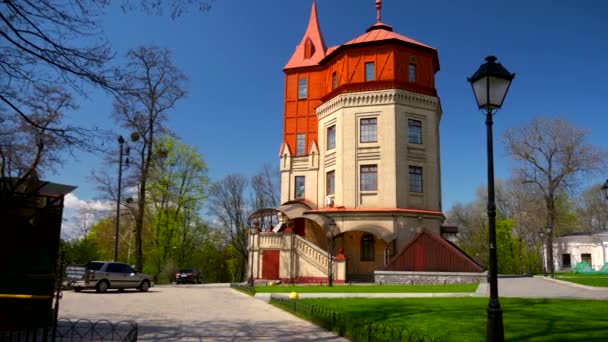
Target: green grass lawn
(367, 288)
(598, 280)
(464, 319)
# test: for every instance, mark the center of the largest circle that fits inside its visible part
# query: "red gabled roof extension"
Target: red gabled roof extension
(429, 252)
(312, 48)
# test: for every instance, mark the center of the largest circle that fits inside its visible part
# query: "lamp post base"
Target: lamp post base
(495, 326)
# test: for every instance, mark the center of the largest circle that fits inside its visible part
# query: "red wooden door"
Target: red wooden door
(270, 265)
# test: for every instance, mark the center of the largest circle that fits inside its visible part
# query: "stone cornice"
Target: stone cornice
(379, 97)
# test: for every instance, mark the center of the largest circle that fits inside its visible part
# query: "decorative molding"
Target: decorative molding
(380, 97)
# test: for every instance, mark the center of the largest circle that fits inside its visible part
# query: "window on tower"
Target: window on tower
(415, 179)
(330, 183)
(368, 130)
(299, 187)
(302, 88)
(414, 131)
(331, 137)
(300, 144)
(412, 73)
(370, 74)
(369, 177)
(334, 81)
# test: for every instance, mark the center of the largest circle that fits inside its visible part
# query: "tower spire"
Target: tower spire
(378, 10)
(312, 48)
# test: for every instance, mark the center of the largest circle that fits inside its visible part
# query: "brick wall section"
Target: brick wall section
(428, 278)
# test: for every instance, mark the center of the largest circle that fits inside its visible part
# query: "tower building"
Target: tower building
(360, 159)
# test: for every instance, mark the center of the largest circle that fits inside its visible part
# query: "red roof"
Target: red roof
(429, 252)
(381, 31)
(312, 49)
(316, 45)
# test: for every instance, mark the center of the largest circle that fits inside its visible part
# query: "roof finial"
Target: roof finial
(378, 9)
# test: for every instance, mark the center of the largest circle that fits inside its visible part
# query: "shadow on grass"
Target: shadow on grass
(465, 319)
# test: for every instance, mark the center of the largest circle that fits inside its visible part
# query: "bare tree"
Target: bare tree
(31, 145)
(552, 154)
(152, 87)
(592, 209)
(265, 185)
(228, 205)
(45, 43)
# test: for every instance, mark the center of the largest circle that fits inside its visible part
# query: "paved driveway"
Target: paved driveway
(539, 287)
(193, 313)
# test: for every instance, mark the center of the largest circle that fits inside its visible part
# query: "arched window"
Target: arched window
(367, 247)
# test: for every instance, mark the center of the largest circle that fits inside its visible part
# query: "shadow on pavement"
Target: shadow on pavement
(164, 330)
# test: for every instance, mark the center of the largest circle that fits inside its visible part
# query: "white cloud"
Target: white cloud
(72, 205)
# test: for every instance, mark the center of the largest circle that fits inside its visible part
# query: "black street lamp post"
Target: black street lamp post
(605, 190)
(541, 233)
(550, 264)
(490, 84)
(330, 253)
(123, 152)
(252, 231)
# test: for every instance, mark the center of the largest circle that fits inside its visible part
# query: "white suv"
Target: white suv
(104, 275)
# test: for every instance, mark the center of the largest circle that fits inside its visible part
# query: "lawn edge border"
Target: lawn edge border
(587, 287)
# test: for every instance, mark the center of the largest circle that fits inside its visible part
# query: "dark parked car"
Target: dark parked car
(189, 275)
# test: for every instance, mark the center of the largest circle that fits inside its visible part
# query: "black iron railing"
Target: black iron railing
(76, 330)
(103, 330)
(246, 288)
(345, 325)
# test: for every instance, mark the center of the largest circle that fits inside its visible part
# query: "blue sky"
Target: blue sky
(234, 55)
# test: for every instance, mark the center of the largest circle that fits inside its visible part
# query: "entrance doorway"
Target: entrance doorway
(270, 265)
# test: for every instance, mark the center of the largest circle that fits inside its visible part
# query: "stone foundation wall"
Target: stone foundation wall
(428, 278)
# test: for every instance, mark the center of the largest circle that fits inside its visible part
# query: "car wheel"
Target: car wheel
(145, 285)
(77, 289)
(102, 286)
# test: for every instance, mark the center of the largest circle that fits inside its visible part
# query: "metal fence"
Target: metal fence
(248, 289)
(345, 325)
(76, 330)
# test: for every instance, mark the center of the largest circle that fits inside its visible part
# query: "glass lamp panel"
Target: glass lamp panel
(498, 91)
(481, 92)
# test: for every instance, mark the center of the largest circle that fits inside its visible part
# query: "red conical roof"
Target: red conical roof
(312, 48)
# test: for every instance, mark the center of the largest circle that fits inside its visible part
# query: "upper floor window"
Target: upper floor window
(330, 183)
(331, 137)
(300, 144)
(367, 247)
(334, 81)
(299, 187)
(369, 177)
(412, 73)
(302, 88)
(368, 130)
(414, 131)
(415, 179)
(370, 73)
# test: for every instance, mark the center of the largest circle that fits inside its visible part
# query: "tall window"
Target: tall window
(415, 179)
(334, 81)
(300, 144)
(370, 74)
(368, 130)
(302, 88)
(331, 137)
(367, 247)
(369, 177)
(414, 131)
(299, 189)
(412, 73)
(330, 183)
